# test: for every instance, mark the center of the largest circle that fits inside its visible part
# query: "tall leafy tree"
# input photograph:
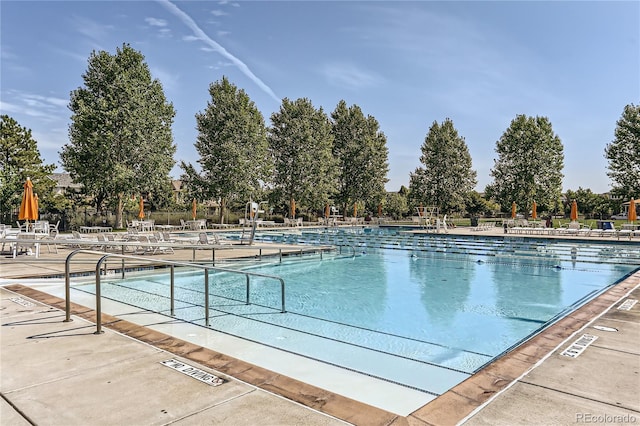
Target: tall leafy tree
(623, 154)
(447, 176)
(589, 204)
(19, 159)
(120, 133)
(395, 204)
(232, 144)
(362, 154)
(529, 166)
(300, 142)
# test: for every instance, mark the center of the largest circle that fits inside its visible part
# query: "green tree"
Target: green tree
(233, 148)
(623, 154)
(19, 159)
(395, 204)
(362, 154)
(588, 202)
(447, 176)
(477, 205)
(529, 166)
(300, 142)
(120, 133)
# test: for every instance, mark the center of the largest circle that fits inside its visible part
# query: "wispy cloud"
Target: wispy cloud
(202, 36)
(218, 12)
(169, 79)
(226, 2)
(80, 57)
(163, 30)
(349, 76)
(467, 65)
(155, 22)
(91, 29)
(220, 64)
(46, 108)
(51, 140)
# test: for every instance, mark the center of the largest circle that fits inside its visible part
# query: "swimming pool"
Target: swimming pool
(423, 311)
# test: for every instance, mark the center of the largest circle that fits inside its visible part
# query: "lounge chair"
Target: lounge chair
(157, 248)
(203, 238)
(166, 236)
(78, 237)
(220, 241)
(570, 228)
(53, 229)
(104, 240)
(26, 243)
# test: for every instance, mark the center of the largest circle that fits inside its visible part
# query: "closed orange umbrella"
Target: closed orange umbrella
(355, 209)
(574, 210)
(194, 209)
(632, 211)
(534, 210)
(141, 209)
(513, 210)
(28, 205)
(37, 201)
(379, 210)
(293, 208)
(421, 210)
(326, 211)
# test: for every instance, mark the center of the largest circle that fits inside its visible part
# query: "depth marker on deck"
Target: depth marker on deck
(194, 372)
(21, 301)
(628, 304)
(579, 345)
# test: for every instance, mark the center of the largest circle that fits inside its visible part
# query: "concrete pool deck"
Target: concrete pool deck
(117, 377)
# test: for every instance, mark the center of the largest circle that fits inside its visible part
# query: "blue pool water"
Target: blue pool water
(422, 311)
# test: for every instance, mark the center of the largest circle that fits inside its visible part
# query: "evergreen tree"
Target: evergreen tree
(233, 148)
(447, 177)
(120, 136)
(529, 166)
(19, 159)
(623, 154)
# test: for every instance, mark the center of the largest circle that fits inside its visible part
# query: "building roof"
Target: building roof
(63, 180)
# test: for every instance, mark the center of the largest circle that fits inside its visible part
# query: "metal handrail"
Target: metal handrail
(352, 247)
(172, 264)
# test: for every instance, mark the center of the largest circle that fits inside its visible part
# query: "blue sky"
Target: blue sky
(408, 64)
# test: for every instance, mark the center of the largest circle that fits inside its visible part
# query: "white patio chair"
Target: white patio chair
(26, 243)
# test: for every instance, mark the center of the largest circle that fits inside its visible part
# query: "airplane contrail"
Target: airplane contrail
(186, 19)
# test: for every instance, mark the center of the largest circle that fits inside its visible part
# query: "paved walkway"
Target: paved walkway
(55, 372)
